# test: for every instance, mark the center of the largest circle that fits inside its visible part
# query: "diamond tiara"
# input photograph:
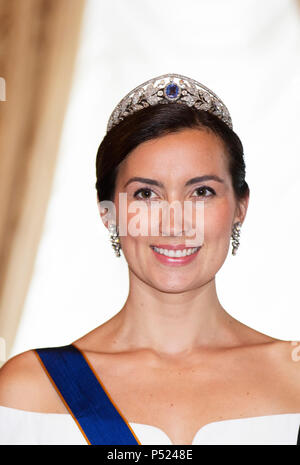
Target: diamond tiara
(169, 88)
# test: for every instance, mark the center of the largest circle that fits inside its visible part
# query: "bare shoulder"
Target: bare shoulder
(283, 354)
(277, 358)
(24, 385)
(286, 354)
(284, 360)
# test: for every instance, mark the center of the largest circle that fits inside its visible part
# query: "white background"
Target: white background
(248, 53)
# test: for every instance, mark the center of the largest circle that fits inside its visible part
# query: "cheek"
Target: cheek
(140, 219)
(134, 224)
(137, 221)
(217, 222)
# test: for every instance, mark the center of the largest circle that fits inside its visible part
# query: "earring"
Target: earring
(115, 239)
(235, 237)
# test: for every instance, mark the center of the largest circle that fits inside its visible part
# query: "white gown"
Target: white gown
(33, 428)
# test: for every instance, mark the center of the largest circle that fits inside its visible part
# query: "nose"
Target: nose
(172, 219)
(183, 219)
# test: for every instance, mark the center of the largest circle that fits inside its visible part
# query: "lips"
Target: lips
(175, 261)
(172, 247)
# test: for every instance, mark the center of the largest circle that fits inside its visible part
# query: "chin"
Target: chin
(173, 286)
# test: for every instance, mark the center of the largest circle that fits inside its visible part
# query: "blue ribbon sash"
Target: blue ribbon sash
(98, 419)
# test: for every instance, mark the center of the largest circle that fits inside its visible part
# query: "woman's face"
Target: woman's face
(171, 161)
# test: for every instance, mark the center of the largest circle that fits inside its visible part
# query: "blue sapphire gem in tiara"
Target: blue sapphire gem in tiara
(172, 91)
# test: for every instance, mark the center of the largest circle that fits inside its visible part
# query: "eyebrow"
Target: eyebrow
(207, 177)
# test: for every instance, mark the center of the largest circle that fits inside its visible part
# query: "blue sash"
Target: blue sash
(97, 417)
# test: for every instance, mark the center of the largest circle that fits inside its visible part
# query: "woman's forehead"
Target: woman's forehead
(179, 154)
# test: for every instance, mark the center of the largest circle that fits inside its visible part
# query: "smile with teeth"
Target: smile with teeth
(176, 253)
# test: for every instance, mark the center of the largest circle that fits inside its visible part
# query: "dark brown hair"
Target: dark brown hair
(155, 121)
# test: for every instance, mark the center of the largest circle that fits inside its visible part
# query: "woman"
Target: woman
(172, 366)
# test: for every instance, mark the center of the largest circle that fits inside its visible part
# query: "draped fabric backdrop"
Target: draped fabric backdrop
(38, 43)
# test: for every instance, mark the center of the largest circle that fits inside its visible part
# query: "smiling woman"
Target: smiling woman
(172, 366)
(170, 162)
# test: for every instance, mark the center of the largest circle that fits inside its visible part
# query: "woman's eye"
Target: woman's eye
(143, 191)
(205, 189)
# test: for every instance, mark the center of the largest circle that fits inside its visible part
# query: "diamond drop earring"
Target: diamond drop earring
(115, 239)
(235, 236)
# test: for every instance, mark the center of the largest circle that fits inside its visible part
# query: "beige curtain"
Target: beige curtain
(38, 44)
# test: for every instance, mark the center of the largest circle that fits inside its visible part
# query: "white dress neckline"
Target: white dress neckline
(221, 423)
(274, 429)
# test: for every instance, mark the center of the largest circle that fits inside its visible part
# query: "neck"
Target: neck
(173, 323)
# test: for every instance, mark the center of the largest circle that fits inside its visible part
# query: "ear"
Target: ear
(102, 212)
(107, 211)
(242, 208)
